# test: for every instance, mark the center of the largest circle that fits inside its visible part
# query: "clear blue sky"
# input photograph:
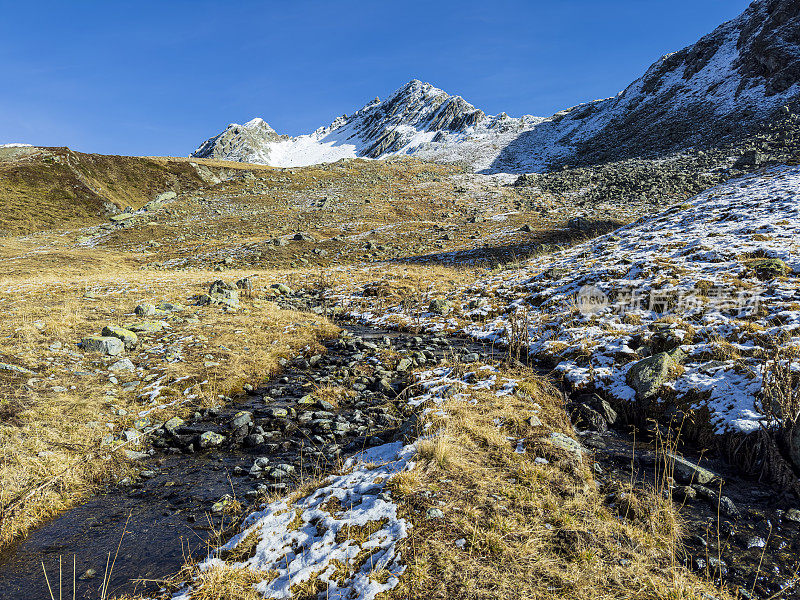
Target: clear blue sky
(158, 78)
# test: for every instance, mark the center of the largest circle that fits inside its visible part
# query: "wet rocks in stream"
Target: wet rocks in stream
(321, 409)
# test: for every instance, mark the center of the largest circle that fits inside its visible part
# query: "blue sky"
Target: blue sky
(157, 78)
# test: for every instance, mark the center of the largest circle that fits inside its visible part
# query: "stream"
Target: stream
(751, 543)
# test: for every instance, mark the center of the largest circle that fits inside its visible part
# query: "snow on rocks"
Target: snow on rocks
(689, 281)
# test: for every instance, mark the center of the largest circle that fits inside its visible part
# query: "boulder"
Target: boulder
(221, 293)
(111, 346)
(166, 196)
(145, 310)
(564, 442)
(173, 425)
(440, 306)
(128, 337)
(210, 439)
(585, 417)
(281, 288)
(122, 217)
(770, 268)
(649, 374)
(122, 365)
(689, 472)
(751, 158)
(581, 224)
(146, 327)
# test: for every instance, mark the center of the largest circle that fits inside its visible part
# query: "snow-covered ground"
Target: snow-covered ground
(687, 277)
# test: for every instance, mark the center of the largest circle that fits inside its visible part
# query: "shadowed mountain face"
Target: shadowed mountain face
(730, 82)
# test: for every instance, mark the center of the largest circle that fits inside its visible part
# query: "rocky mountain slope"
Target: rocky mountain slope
(724, 87)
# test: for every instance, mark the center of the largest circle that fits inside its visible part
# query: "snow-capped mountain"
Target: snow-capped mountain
(730, 81)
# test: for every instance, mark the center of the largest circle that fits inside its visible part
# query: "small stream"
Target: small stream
(169, 515)
(168, 510)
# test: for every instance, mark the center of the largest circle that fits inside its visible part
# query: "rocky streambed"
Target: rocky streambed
(206, 470)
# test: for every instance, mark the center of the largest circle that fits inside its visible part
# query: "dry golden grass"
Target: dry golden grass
(223, 582)
(47, 435)
(530, 530)
(58, 188)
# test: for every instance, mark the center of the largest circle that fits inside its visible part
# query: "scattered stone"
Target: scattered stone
(111, 346)
(770, 268)
(146, 327)
(649, 374)
(122, 365)
(145, 310)
(793, 515)
(15, 369)
(210, 439)
(440, 306)
(221, 293)
(434, 513)
(128, 337)
(173, 424)
(135, 455)
(571, 445)
(689, 472)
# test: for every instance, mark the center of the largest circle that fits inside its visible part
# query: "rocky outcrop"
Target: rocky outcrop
(244, 143)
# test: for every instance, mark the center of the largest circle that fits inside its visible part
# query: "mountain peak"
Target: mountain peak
(729, 82)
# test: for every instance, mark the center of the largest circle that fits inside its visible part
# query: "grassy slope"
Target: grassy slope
(59, 188)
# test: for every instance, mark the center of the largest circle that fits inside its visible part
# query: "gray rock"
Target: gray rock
(134, 455)
(166, 196)
(128, 337)
(145, 310)
(434, 513)
(281, 288)
(15, 369)
(649, 374)
(689, 472)
(534, 421)
(171, 307)
(103, 344)
(243, 418)
(210, 439)
(173, 424)
(223, 294)
(751, 158)
(728, 508)
(440, 306)
(146, 327)
(122, 365)
(571, 445)
(793, 515)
